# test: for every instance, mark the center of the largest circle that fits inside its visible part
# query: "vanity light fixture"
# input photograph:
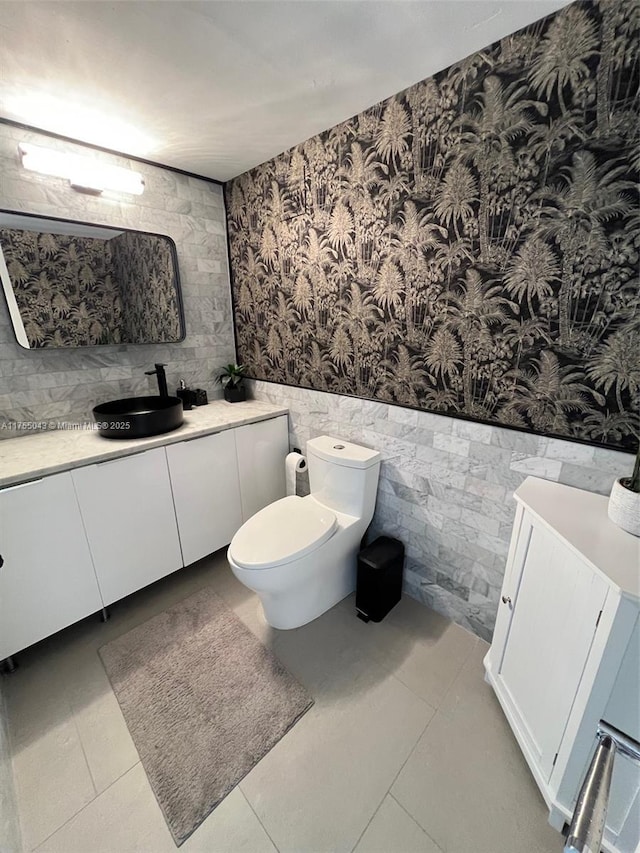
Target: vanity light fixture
(83, 173)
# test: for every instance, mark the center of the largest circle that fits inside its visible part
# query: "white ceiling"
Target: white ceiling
(217, 87)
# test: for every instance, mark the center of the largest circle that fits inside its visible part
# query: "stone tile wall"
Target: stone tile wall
(63, 385)
(446, 489)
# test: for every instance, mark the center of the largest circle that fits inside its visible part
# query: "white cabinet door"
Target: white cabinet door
(262, 448)
(204, 479)
(127, 508)
(47, 580)
(555, 612)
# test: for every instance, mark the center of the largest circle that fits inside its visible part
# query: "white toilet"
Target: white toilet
(299, 554)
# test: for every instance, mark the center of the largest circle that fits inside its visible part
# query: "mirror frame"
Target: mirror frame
(14, 311)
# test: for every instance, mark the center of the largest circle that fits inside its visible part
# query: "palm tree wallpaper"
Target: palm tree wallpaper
(468, 246)
(147, 275)
(64, 288)
(75, 291)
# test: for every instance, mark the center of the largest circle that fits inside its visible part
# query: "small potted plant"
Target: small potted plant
(231, 379)
(624, 501)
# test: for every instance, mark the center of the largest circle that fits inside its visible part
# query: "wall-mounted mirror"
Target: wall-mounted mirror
(73, 284)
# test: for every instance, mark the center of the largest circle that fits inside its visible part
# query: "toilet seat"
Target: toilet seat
(282, 532)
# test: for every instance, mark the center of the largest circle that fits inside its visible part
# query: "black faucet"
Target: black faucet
(162, 378)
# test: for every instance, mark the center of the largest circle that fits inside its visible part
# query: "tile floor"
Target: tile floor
(405, 750)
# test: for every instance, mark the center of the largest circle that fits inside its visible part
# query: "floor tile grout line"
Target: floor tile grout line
(375, 812)
(387, 793)
(19, 821)
(435, 707)
(379, 660)
(413, 748)
(72, 713)
(386, 667)
(13, 793)
(86, 805)
(457, 676)
(266, 831)
(417, 823)
(84, 752)
(82, 746)
(465, 660)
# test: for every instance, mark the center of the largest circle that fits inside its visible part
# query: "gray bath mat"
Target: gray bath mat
(204, 701)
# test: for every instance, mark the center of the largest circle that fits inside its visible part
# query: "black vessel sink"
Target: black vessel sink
(138, 417)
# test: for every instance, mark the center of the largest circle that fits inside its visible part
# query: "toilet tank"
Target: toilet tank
(343, 476)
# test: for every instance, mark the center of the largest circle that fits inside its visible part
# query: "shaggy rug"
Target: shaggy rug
(204, 701)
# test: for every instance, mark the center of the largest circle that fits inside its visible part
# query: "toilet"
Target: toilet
(299, 554)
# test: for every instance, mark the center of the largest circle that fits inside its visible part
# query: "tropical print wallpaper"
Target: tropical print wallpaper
(64, 288)
(468, 246)
(144, 268)
(76, 291)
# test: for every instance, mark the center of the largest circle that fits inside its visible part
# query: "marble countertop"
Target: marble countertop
(580, 519)
(33, 456)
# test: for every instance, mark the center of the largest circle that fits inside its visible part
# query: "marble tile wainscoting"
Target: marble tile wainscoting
(446, 489)
(64, 384)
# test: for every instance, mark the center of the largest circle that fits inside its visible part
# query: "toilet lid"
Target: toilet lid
(281, 532)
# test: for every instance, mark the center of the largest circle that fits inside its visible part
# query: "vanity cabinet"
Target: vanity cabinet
(565, 630)
(261, 449)
(549, 620)
(206, 493)
(130, 523)
(221, 480)
(47, 580)
(74, 542)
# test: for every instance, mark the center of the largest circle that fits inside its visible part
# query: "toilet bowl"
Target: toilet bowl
(299, 554)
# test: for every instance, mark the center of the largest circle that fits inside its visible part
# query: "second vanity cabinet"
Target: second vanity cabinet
(128, 515)
(565, 651)
(557, 601)
(76, 541)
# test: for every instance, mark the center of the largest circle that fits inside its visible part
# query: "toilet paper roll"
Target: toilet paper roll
(294, 463)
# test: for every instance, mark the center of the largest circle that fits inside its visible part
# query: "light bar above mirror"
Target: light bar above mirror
(83, 173)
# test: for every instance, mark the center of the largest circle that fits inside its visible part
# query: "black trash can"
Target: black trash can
(379, 584)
